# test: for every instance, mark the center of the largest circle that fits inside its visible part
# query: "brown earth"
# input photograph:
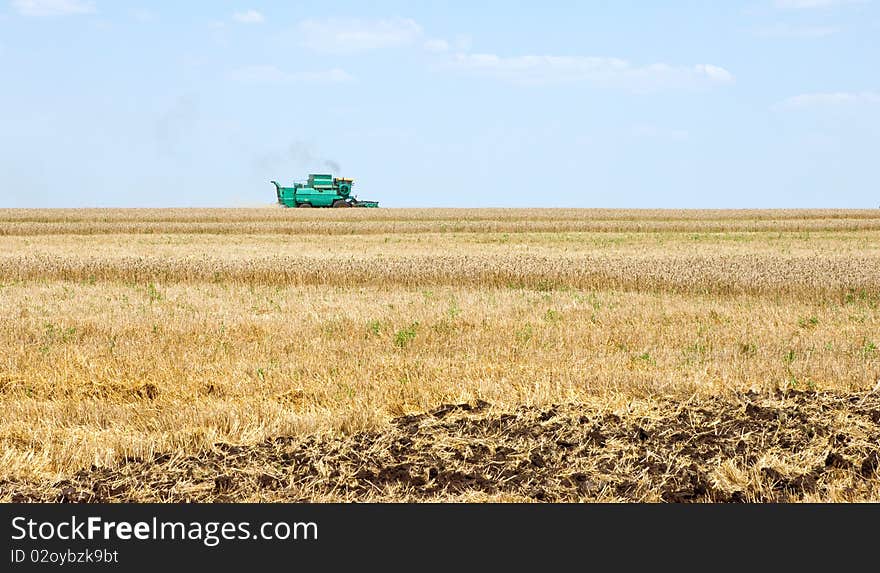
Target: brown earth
(748, 447)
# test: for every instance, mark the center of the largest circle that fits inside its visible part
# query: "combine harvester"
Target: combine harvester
(320, 191)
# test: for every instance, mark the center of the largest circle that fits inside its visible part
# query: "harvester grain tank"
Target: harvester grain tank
(320, 190)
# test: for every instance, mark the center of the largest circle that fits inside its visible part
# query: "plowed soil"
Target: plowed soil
(749, 447)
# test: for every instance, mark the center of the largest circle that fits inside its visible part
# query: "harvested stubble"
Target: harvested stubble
(123, 347)
(784, 446)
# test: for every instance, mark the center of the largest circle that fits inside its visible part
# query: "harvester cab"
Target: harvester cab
(320, 190)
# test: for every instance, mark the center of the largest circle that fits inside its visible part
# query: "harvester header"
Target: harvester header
(320, 190)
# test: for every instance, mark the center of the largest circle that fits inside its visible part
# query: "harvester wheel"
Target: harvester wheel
(340, 203)
(301, 205)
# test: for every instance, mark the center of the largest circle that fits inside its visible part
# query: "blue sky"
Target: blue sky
(763, 103)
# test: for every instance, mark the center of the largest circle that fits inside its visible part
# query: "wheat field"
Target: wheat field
(360, 354)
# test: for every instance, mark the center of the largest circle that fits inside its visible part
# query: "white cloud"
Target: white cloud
(598, 70)
(827, 99)
(144, 16)
(249, 17)
(53, 7)
(807, 4)
(436, 45)
(349, 36)
(440, 45)
(789, 31)
(714, 73)
(352, 35)
(269, 74)
(462, 43)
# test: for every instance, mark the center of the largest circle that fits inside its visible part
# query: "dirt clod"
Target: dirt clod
(741, 448)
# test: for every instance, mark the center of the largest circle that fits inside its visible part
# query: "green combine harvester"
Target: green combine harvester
(320, 191)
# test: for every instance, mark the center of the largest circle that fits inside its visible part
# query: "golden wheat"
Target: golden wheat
(119, 346)
(725, 274)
